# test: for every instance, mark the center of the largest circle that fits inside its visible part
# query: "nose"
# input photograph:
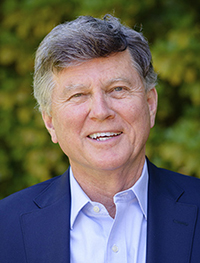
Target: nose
(100, 107)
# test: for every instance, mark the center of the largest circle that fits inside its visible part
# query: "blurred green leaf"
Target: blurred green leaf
(27, 155)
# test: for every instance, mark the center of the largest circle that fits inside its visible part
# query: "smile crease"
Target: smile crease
(102, 136)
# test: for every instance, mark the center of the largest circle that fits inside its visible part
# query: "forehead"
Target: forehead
(116, 67)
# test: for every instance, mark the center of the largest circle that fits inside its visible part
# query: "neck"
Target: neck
(101, 186)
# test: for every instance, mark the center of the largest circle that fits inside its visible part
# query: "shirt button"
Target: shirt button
(96, 209)
(115, 248)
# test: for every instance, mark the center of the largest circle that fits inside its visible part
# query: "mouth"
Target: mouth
(103, 136)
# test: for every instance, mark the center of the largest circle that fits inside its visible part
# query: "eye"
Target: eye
(118, 88)
(119, 92)
(77, 95)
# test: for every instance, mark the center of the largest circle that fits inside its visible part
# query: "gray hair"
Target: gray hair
(86, 38)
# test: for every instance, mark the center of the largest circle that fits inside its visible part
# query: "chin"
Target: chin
(110, 165)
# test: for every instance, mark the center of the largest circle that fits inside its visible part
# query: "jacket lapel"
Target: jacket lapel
(170, 223)
(46, 230)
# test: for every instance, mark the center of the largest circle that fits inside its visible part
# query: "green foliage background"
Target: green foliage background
(27, 156)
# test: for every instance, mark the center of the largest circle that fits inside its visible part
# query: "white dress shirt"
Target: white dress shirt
(98, 238)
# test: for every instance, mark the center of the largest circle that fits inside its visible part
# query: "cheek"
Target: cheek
(135, 111)
(70, 121)
(138, 118)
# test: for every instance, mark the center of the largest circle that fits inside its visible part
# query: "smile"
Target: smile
(103, 136)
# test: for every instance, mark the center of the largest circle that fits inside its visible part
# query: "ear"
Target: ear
(152, 100)
(48, 121)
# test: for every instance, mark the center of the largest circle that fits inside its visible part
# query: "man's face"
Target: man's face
(101, 115)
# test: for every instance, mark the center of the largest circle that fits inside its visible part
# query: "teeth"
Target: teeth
(103, 139)
(103, 135)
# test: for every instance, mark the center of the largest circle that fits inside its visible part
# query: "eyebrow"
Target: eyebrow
(114, 80)
(74, 86)
(71, 87)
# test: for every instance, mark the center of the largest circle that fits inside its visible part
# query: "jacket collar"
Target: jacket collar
(54, 192)
(46, 230)
(170, 223)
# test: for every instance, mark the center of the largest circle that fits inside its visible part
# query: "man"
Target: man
(95, 85)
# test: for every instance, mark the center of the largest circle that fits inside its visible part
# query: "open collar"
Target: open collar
(80, 199)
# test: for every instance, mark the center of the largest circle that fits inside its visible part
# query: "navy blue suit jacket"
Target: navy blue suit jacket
(35, 222)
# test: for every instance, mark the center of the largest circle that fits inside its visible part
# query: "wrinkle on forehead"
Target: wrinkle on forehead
(106, 72)
(110, 82)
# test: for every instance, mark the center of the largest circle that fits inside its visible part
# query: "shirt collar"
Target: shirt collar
(140, 189)
(80, 199)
